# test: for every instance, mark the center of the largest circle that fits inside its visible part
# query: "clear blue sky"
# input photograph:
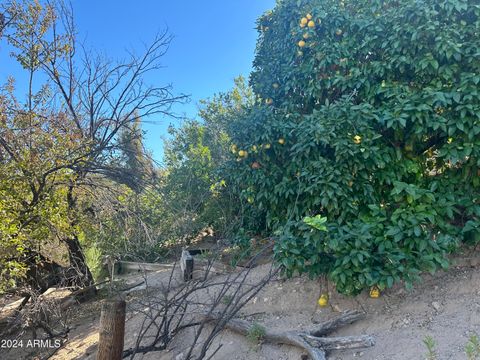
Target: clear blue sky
(214, 42)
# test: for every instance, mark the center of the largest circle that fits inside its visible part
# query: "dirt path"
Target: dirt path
(445, 306)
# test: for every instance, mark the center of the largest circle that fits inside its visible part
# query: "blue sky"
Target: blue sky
(214, 42)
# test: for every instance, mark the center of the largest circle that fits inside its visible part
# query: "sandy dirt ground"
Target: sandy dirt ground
(445, 306)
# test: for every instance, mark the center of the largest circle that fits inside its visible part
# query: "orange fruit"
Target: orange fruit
(357, 139)
(301, 43)
(309, 17)
(242, 153)
(311, 24)
(303, 21)
(281, 141)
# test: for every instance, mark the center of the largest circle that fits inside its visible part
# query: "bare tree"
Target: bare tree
(206, 304)
(82, 107)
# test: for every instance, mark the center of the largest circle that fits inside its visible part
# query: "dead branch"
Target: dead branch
(311, 340)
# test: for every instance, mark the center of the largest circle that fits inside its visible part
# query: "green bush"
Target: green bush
(372, 122)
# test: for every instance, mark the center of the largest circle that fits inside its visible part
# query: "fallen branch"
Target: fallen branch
(311, 340)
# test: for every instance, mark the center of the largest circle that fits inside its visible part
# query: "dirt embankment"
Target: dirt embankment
(445, 306)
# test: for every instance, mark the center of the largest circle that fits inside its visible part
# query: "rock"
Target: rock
(436, 305)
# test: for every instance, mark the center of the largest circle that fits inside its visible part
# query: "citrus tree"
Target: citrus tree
(368, 116)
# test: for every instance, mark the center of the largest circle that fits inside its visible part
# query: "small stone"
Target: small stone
(436, 305)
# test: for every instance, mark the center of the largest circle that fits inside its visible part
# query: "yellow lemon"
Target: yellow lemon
(234, 149)
(323, 300)
(309, 17)
(303, 21)
(242, 153)
(254, 147)
(301, 43)
(281, 141)
(357, 139)
(266, 146)
(311, 24)
(374, 292)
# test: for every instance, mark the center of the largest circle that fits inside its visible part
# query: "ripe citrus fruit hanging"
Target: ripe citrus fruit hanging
(357, 139)
(281, 141)
(304, 21)
(311, 24)
(242, 153)
(256, 165)
(301, 43)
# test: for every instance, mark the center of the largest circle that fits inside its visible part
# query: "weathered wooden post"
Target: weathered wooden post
(186, 264)
(112, 330)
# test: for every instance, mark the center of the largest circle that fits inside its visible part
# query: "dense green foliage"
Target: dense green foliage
(370, 119)
(355, 147)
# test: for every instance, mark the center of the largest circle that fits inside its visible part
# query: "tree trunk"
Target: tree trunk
(78, 274)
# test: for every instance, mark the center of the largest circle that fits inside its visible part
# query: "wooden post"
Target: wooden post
(186, 264)
(112, 330)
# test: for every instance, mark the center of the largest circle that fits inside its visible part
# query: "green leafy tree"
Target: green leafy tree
(195, 158)
(369, 118)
